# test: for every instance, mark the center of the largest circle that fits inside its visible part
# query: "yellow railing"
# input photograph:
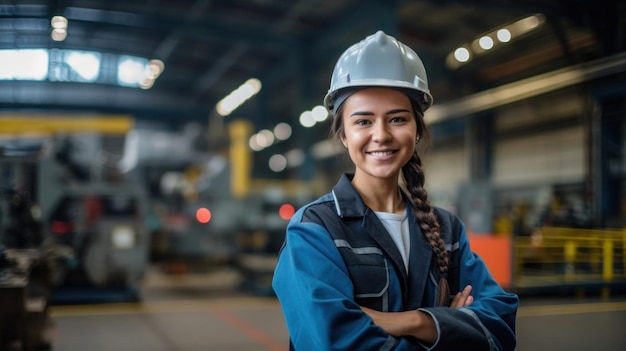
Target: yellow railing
(569, 256)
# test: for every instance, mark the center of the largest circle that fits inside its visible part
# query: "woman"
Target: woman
(371, 265)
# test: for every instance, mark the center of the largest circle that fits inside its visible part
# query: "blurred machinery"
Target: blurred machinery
(198, 222)
(65, 234)
(207, 211)
(99, 218)
(27, 258)
(84, 209)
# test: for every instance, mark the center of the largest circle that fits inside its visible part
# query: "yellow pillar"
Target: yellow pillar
(624, 252)
(607, 266)
(570, 260)
(240, 157)
(607, 260)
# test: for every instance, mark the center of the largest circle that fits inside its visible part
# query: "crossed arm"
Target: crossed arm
(415, 323)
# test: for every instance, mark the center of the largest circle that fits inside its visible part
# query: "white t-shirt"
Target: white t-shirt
(398, 227)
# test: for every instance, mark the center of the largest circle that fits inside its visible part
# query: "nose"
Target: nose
(380, 132)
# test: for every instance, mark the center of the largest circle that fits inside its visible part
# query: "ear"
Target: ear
(343, 141)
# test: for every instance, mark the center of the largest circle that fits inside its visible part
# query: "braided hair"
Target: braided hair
(414, 183)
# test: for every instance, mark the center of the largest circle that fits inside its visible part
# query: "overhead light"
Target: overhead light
(277, 163)
(320, 113)
(282, 131)
(295, 157)
(130, 70)
(462, 54)
(317, 114)
(265, 138)
(238, 96)
(254, 143)
(261, 140)
(58, 22)
(58, 34)
(155, 68)
(485, 42)
(503, 35)
(306, 119)
(59, 28)
(152, 71)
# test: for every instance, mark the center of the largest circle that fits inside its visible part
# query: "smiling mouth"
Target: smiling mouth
(381, 153)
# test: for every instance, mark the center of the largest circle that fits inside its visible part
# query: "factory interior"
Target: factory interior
(153, 152)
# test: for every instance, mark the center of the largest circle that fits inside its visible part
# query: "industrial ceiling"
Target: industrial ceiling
(211, 47)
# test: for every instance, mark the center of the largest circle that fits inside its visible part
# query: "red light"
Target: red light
(286, 211)
(59, 227)
(203, 215)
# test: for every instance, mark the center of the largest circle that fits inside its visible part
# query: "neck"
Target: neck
(380, 195)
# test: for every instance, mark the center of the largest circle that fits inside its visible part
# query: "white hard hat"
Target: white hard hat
(379, 60)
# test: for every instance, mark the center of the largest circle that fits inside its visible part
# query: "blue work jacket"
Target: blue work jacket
(337, 256)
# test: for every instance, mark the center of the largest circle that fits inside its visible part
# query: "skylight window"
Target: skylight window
(24, 64)
(85, 64)
(57, 65)
(131, 71)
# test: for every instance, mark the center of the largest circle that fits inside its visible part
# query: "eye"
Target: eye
(398, 119)
(362, 122)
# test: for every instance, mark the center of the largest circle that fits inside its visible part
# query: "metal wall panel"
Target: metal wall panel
(445, 171)
(556, 156)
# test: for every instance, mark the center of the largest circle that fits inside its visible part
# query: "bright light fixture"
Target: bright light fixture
(282, 131)
(306, 119)
(462, 54)
(503, 35)
(485, 42)
(278, 163)
(58, 22)
(59, 28)
(319, 113)
(238, 96)
(58, 34)
(295, 157)
(131, 71)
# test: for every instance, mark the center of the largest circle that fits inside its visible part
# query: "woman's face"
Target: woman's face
(380, 131)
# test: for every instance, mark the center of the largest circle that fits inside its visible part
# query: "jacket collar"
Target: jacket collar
(349, 203)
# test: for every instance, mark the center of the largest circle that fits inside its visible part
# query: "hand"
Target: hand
(462, 298)
(414, 323)
(384, 320)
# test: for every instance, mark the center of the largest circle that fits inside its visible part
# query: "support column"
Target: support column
(240, 157)
(608, 156)
(476, 196)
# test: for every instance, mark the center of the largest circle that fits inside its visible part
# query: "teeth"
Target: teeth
(381, 153)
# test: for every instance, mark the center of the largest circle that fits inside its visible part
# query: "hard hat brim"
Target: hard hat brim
(335, 97)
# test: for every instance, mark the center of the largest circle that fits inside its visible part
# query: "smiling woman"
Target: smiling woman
(380, 134)
(372, 265)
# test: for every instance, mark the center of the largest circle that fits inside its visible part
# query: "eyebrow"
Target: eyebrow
(391, 112)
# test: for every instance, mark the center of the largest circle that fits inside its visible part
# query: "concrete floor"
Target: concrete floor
(209, 312)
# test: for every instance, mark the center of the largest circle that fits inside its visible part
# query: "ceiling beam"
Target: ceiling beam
(527, 88)
(167, 46)
(210, 77)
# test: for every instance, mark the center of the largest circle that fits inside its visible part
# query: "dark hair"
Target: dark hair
(414, 179)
